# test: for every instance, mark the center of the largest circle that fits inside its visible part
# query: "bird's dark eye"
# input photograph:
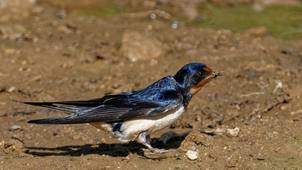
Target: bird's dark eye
(200, 73)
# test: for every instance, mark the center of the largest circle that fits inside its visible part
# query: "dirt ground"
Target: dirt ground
(248, 119)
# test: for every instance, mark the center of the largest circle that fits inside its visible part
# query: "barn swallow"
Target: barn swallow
(135, 115)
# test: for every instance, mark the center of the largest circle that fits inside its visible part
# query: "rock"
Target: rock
(36, 78)
(257, 31)
(9, 51)
(233, 132)
(224, 38)
(217, 131)
(160, 14)
(262, 2)
(67, 28)
(13, 145)
(174, 25)
(278, 2)
(2, 144)
(195, 138)
(15, 9)
(73, 4)
(192, 155)
(279, 86)
(116, 86)
(14, 128)
(64, 29)
(13, 32)
(190, 8)
(231, 2)
(16, 3)
(296, 112)
(137, 46)
(11, 89)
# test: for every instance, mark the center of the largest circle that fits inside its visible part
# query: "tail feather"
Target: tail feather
(56, 106)
(70, 119)
(67, 106)
(52, 121)
(71, 107)
(44, 121)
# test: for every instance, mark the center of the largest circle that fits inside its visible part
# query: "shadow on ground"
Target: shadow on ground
(116, 150)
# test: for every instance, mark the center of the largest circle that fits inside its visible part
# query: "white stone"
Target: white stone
(233, 132)
(137, 46)
(15, 127)
(192, 155)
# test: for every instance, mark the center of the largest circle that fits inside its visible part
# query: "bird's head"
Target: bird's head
(192, 77)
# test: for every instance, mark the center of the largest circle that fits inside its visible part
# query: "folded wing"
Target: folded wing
(111, 108)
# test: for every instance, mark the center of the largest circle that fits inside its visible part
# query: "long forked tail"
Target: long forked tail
(49, 121)
(71, 107)
(59, 106)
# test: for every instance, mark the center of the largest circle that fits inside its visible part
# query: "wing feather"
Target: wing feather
(155, 100)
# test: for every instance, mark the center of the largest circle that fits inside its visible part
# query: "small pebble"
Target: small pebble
(153, 16)
(233, 132)
(210, 131)
(192, 155)
(11, 89)
(174, 25)
(14, 127)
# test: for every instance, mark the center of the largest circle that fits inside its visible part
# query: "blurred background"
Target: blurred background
(281, 18)
(76, 50)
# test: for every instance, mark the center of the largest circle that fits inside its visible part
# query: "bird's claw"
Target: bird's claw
(156, 153)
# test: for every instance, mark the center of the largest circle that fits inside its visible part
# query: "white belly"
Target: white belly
(131, 128)
(154, 124)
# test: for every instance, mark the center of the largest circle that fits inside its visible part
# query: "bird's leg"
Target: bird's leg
(144, 139)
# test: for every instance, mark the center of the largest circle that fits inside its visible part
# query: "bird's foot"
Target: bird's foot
(150, 152)
(156, 150)
(156, 153)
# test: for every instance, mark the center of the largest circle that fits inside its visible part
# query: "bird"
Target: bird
(135, 115)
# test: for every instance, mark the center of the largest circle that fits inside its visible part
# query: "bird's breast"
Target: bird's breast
(168, 119)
